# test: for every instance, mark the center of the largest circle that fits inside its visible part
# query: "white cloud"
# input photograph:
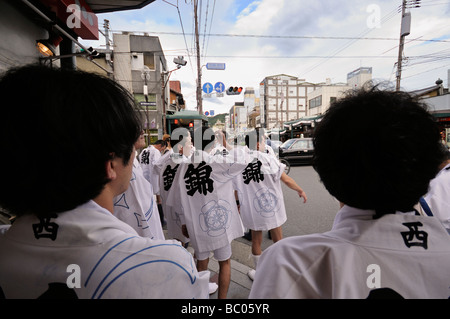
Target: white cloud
(250, 59)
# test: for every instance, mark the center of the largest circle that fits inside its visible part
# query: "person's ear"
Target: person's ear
(111, 173)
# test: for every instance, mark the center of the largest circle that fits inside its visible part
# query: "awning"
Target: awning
(102, 6)
(441, 114)
(303, 121)
(276, 132)
(187, 114)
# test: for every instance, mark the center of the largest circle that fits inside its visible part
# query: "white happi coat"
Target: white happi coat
(407, 254)
(260, 194)
(148, 158)
(204, 188)
(167, 167)
(137, 207)
(98, 255)
(438, 197)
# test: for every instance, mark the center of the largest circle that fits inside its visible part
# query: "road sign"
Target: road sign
(207, 88)
(219, 87)
(215, 66)
(206, 113)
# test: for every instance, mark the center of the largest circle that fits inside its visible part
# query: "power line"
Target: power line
(288, 36)
(210, 25)
(184, 34)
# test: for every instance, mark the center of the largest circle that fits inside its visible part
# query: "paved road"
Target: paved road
(315, 216)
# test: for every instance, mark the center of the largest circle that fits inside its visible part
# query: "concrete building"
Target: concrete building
(321, 98)
(283, 98)
(139, 66)
(438, 100)
(325, 93)
(176, 99)
(51, 22)
(251, 103)
(238, 118)
(48, 32)
(358, 77)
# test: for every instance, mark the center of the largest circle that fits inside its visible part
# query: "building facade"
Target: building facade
(324, 94)
(140, 66)
(283, 98)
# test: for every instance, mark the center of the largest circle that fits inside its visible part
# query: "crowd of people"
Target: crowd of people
(92, 195)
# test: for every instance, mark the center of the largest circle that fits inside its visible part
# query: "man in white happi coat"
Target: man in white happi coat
(167, 168)
(210, 215)
(378, 247)
(136, 206)
(148, 158)
(260, 195)
(65, 241)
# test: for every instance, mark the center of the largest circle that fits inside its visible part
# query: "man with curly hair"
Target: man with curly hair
(376, 152)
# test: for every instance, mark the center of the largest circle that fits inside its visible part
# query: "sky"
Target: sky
(309, 39)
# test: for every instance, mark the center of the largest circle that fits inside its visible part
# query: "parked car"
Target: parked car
(275, 145)
(297, 150)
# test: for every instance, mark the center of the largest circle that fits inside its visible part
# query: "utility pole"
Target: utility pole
(404, 31)
(199, 70)
(108, 49)
(400, 49)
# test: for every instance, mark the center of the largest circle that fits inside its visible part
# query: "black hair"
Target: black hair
(160, 142)
(253, 137)
(377, 150)
(444, 153)
(59, 133)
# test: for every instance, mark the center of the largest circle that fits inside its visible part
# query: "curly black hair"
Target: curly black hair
(377, 150)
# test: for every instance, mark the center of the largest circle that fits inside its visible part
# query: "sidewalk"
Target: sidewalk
(240, 283)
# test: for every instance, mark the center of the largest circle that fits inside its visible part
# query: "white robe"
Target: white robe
(405, 253)
(260, 194)
(167, 168)
(113, 261)
(148, 158)
(137, 207)
(438, 197)
(204, 189)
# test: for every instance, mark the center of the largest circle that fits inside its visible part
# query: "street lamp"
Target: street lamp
(179, 61)
(145, 75)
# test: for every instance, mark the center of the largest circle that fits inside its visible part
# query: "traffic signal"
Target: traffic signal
(234, 90)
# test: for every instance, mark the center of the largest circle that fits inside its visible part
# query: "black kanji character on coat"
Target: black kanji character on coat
(198, 179)
(168, 176)
(45, 228)
(253, 172)
(145, 157)
(415, 237)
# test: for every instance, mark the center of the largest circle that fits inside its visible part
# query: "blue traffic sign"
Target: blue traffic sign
(215, 66)
(207, 88)
(219, 87)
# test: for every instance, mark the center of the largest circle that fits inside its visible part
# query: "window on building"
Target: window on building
(292, 105)
(149, 60)
(315, 102)
(272, 91)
